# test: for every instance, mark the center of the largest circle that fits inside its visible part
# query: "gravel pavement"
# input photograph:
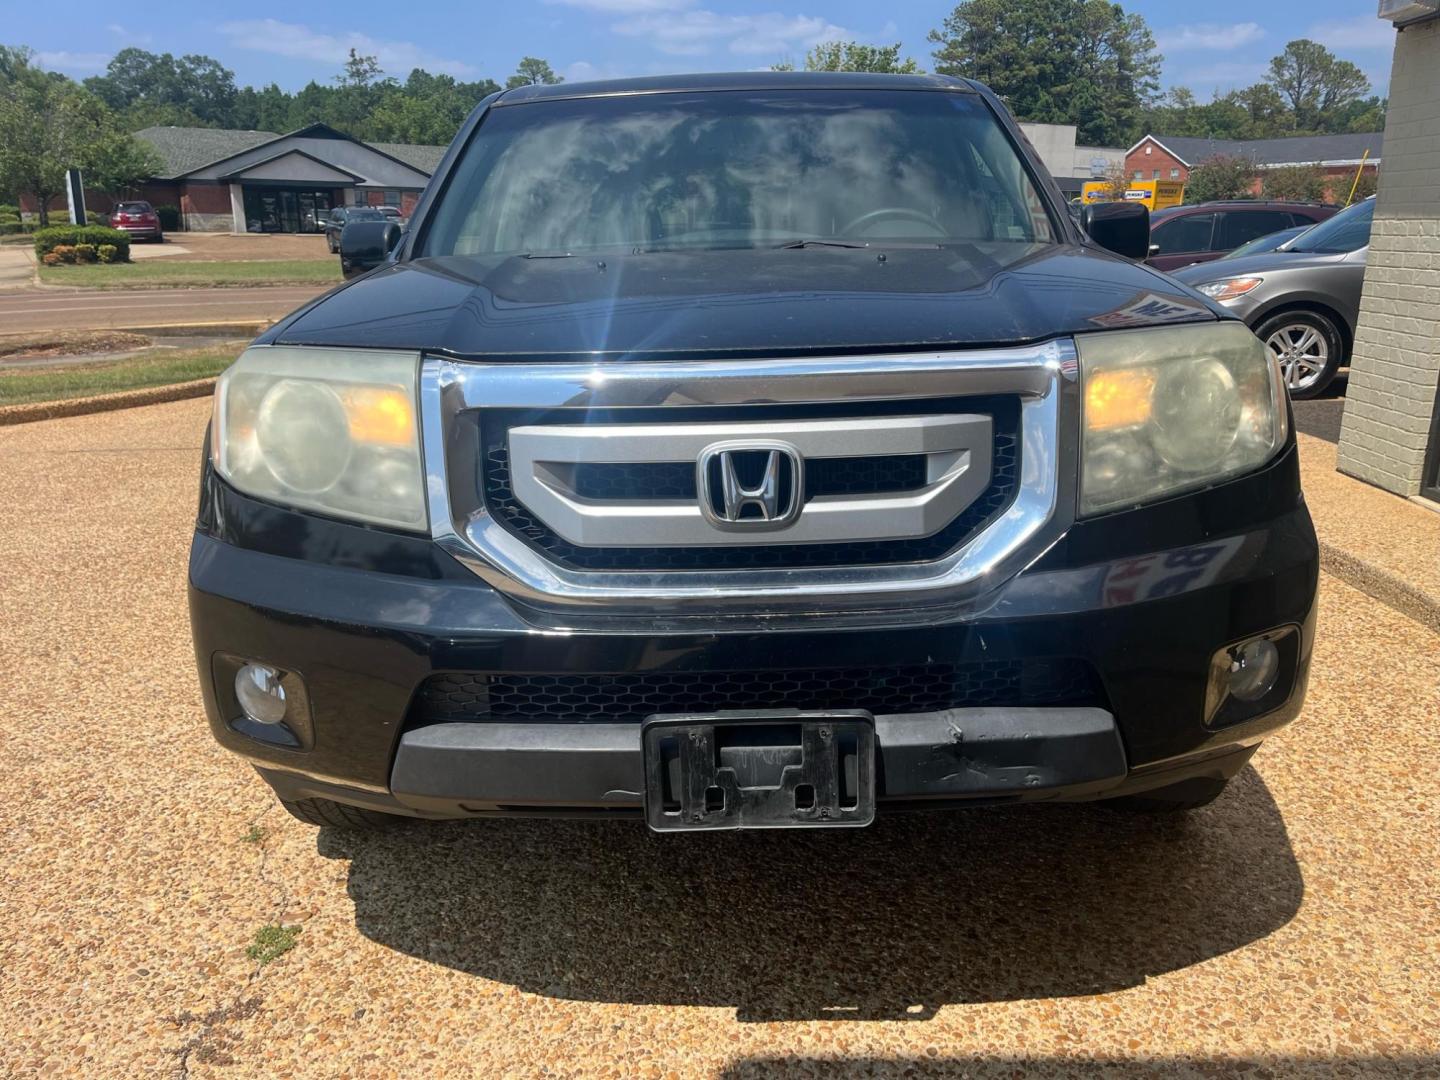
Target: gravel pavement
(1291, 928)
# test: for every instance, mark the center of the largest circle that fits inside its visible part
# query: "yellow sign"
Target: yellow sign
(1155, 194)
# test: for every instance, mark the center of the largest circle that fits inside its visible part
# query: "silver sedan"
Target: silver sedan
(1302, 299)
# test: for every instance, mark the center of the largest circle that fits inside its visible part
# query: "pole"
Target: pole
(1358, 170)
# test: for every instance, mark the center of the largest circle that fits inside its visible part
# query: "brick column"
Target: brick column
(1396, 363)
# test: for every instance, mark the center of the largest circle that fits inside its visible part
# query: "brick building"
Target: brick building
(1171, 157)
(224, 180)
(1391, 430)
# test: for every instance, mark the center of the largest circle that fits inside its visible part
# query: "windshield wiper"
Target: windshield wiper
(821, 243)
(548, 255)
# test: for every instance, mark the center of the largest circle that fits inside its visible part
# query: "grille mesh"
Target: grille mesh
(508, 511)
(632, 697)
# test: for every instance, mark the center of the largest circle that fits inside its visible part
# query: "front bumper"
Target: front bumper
(365, 617)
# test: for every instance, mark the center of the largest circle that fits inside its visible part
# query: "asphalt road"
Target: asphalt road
(87, 309)
(1289, 929)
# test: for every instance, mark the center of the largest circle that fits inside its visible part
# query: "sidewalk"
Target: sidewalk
(1377, 542)
(17, 269)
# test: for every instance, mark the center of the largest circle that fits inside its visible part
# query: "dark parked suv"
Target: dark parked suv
(1184, 235)
(747, 451)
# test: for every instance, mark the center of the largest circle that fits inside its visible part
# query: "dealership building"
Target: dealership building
(257, 181)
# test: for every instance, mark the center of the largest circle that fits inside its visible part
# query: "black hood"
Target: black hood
(762, 302)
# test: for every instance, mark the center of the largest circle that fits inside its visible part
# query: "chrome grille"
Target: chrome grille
(834, 476)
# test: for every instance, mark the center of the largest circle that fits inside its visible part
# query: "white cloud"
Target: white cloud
(1362, 32)
(302, 43)
(698, 31)
(1218, 36)
(62, 60)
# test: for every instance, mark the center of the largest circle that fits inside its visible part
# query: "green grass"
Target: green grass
(150, 273)
(21, 386)
(272, 942)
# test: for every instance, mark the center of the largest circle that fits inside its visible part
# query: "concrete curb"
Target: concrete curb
(124, 399)
(1382, 585)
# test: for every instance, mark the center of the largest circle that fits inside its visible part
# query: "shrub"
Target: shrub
(84, 253)
(47, 240)
(169, 218)
(1304, 183)
(14, 228)
(50, 259)
(64, 253)
(105, 253)
(9, 210)
(1220, 177)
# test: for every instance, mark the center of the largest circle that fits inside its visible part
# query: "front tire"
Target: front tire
(325, 812)
(1307, 345)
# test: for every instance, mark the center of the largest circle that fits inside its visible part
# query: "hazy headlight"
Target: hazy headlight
(323, 429)
(1174, 408)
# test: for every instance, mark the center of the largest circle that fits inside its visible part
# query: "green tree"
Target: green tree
(532, 71)
(853, 56)
(1305, 183)
(1081, 62)
(1220, 177)
(1315, 82)
(49, 124)
(146, 87)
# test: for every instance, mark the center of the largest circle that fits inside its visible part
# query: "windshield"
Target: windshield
(737, 169)
(1347, 231)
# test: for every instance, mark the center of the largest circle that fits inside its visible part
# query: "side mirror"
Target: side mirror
(364, 245)
(1121, 227)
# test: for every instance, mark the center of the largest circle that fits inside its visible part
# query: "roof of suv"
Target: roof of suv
(735, 80)
(1239, 204)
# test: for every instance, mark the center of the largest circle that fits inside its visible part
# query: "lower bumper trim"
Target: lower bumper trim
(955, 754)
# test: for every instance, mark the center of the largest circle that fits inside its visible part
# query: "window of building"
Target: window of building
(1139, 174)
(392, 197)
(1155, 175)
(1147, 150)
(1174, 174)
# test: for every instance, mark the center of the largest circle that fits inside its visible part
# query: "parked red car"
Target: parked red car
(1183, 235)
(138, 219)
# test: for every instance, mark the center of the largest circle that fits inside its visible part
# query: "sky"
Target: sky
(1215, 45)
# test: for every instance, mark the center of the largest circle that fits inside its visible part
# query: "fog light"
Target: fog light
(1253, 668)
(258, 689)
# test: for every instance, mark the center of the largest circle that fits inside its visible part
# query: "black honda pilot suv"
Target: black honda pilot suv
(749, 451)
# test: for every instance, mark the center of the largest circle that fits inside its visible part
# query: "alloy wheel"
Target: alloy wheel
(1302, 352)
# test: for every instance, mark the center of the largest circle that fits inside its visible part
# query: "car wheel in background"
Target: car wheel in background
(1307, 346)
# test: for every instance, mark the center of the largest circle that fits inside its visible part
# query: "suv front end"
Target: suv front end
(448, 581)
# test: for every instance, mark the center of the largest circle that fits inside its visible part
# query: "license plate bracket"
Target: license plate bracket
(759, 770)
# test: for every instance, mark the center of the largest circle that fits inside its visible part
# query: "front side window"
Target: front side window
(1182, 234)
(737, 169)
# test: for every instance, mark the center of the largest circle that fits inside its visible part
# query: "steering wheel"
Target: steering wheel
(900, 213)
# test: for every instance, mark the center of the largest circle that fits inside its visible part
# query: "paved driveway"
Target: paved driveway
(1291, 926)
(89, 309)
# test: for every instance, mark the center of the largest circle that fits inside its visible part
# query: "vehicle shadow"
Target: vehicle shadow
(781, 1068)
(890, 922)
